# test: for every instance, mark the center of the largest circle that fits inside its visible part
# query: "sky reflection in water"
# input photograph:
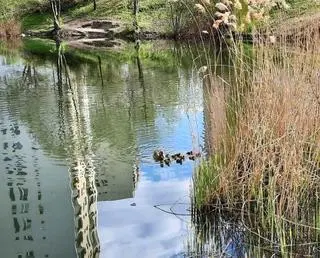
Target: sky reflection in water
(109, 127)
(142, 230)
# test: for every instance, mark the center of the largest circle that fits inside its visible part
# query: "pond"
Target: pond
(77, 131)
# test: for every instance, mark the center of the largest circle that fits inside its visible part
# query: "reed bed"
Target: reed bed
(268, 151)
(261, 177)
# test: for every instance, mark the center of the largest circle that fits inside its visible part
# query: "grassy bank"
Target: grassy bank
(36, 14)
(162, 16)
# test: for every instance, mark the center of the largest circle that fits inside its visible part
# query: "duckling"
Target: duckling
(181, 156)
(179, 159)
(174, 156)
(189, 153)
(167, 161)
(192, 157)
(158, 155)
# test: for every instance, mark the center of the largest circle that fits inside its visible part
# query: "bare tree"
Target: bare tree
(135, 5)
(56, 11)
(94, 3)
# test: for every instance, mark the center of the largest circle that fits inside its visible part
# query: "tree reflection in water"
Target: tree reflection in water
(80, 155)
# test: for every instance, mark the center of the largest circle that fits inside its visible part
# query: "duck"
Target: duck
(179, 158)
(192, 157)
(174, 156)
(158, 155)
(179, 161)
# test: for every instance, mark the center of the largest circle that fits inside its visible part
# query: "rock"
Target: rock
(221, 7)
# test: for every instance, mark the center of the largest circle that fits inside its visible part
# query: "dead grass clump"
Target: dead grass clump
(10, 29)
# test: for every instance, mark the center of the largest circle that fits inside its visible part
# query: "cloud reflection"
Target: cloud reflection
(142, 230)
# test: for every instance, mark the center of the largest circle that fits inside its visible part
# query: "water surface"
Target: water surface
(78, 130)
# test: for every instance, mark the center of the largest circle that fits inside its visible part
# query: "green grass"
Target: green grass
(37, 21)
(14, 9)
(298, 9)
(153, 15)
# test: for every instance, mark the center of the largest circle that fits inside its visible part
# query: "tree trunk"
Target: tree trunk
(135, 20)
(94, 5)
(135, 7)
(56, 9)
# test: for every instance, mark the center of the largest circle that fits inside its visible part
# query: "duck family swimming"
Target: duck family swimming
(159, 156)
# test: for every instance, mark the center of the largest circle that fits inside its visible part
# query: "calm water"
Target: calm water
(77, 133)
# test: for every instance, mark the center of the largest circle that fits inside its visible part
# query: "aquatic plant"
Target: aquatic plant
(263, 136)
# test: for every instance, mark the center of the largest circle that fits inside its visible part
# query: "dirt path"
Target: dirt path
(94, 33)
(95, 28)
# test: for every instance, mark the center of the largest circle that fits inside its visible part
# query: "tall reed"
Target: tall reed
(268, 150)
(258, 188)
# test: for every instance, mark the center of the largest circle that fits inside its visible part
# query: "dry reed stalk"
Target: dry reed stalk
(274, 156)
